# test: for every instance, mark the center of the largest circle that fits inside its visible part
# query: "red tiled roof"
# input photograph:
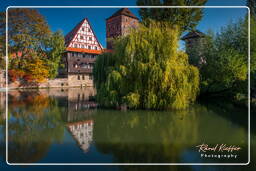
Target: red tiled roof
(108, 50)
(84, 50)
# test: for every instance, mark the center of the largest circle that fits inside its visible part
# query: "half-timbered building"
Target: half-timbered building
(82, 48)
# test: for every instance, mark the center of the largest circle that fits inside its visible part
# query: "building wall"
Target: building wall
(119, 26)
(127, 24)
(83, 80)
(79, 62)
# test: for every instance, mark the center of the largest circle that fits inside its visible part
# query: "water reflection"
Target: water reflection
(38, 120)
(82, 133)
(163, 137)
(67, 121)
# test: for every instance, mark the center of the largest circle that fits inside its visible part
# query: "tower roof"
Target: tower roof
(193, 34)
(123, 11)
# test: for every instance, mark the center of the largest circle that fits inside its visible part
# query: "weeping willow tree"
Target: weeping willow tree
(147, 71)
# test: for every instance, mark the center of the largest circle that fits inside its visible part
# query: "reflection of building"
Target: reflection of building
(2, 105)
(80, 104)
(83, 133)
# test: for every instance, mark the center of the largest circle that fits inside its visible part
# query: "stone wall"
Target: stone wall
(2, 78)
(76, 80)
(80, 80)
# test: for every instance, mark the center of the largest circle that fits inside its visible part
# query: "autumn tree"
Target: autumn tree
(146, 70)
(36, 71)
(186, 18)
(2, 40)
(30, 39)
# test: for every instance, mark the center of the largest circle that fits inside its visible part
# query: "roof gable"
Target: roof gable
(82, 37)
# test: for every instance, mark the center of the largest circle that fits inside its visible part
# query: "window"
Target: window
(95, 47)
(78, 77)
(82, 29)
(90, 38)
(89, 30)
(83, 77)
(81, 37)
(90, 77)
(89, 47)
(75, 45)
(82, 46)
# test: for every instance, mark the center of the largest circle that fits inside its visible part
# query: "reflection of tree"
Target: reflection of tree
(35, 122)
(145, 136)
(158, 137)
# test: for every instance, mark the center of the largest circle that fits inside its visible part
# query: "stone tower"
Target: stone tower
(194, 41)
(119, 24)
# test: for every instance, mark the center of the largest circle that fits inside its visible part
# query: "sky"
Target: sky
(65, 19)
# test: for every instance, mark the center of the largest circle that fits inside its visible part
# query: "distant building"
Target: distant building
(119, 24)
(82, 48)
(194, 41)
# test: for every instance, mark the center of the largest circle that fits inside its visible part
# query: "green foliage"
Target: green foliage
(253, 51)
(226, 55)
(252, 5)
(55, 46)
(146, 70)
(186, 18)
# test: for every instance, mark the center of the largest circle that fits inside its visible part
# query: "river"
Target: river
(65, 126)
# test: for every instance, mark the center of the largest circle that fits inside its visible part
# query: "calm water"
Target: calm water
(60, 126)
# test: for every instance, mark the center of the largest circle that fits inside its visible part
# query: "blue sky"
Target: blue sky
(66, 18)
